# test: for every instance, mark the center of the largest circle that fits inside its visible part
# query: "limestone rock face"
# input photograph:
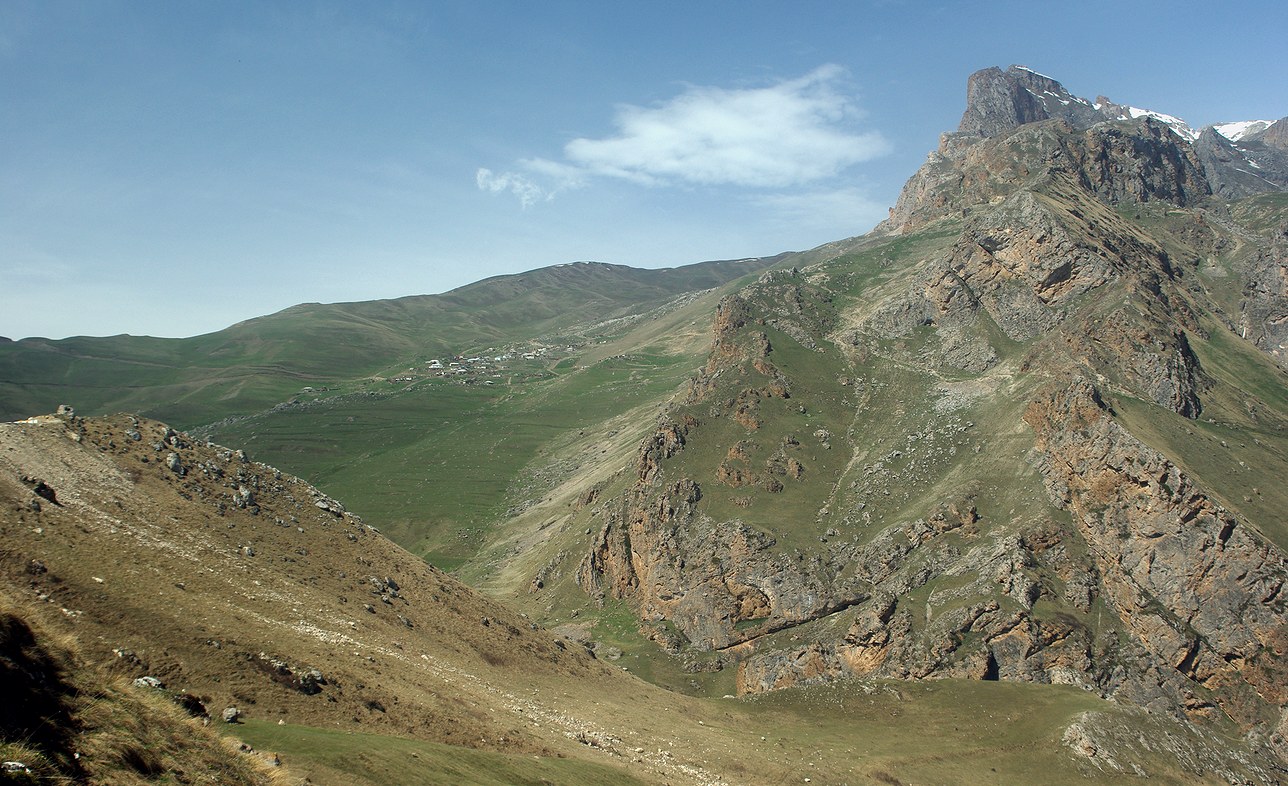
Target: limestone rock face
(1127, 155)
(1138, 162)
(1264, 307)
(1131, 161)
(705, 577)
(1200, 590)
(998, 101)
(1276, 136)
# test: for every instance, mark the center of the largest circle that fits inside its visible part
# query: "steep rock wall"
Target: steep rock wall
(1200, 590)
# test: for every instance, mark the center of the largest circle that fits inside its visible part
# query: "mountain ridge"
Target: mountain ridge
(263, 361)
(235, 585)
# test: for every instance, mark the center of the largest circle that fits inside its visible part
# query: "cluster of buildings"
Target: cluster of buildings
(478, 368)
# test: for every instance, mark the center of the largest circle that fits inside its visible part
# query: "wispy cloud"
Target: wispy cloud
(527, 191)
(555, 177)
(788, 134)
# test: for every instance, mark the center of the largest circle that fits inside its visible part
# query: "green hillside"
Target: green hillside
(261, 362)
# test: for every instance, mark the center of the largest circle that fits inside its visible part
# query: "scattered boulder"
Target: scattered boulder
(244, 497)
(41, 489)
(306, 681)
(231, 715)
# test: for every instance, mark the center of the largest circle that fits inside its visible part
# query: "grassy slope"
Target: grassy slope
(945, 732)
(70, 721)
(335, 758)
(438, 465)
(1238, 448)
(260, 362)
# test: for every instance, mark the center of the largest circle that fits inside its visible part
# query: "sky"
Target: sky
(171, 168)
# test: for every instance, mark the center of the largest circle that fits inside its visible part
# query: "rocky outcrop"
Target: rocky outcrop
(1243, 169)
(1131, 161)
(1276, 135)
(1197, 588)
(1264, 303)
(999, 102)
(1198, 595)
(1124, 745)
(982, 629)
(717, 582)
(1255, 164)
(1028, 262)
(1140, 161)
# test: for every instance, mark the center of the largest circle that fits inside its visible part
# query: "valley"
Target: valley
(990, 494)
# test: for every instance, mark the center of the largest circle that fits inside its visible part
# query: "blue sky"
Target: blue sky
(171, 168)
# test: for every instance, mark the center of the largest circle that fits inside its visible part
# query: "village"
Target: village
(509, 366)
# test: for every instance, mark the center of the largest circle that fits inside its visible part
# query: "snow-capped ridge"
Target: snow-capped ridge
(1178, 125)
(1035, 73)
(1240, 129)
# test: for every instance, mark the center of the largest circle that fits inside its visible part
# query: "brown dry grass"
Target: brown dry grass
(70, 722)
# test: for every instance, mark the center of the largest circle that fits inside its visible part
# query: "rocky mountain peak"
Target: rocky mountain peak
(1276, 135)
(1021, 127)
(998, 101)
(1238, 130)
(1243, 159)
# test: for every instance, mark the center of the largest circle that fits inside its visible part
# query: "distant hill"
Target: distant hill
(255, 364)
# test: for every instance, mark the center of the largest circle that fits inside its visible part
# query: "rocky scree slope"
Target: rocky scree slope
(220, 582)
(980, 445)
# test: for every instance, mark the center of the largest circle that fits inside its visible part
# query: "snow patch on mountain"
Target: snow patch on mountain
(1236, 131)
(1178, 125)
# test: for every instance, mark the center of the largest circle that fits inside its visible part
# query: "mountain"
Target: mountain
(265, 361)
(231, 584)
(1015, 454)
(1238, 130)
(1247, 162)
(1028, 431)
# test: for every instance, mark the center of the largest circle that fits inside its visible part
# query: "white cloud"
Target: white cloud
(788, 134)
(559, 177)
(565, 176)
(797, 131)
